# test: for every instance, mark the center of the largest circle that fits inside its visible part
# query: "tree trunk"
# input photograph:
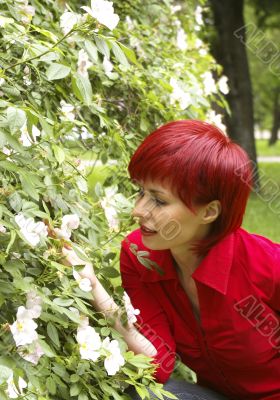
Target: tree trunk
(276, 119)
(230, 51)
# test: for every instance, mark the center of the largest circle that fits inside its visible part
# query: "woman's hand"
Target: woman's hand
(71, 259)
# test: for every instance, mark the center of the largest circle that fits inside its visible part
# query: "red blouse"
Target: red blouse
(234, 349)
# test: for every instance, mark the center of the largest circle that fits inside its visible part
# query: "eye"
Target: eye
(159, 202)
(140, 193)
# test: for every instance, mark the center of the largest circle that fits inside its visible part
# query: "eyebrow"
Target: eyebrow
(156, 191)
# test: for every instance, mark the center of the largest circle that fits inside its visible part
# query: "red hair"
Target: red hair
(200, 164)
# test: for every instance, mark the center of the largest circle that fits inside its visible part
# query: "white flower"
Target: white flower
(26, 11)
(84, 283)
(68, 20)
(103, 11)
(5, 21)
(222, 84)
(107, 65)
(198, 15)
(216, 119)
(69, 222)
(27, 81)
(33, 304)
(90, 343)
(175, 8)
(32, 231)
(181, 39)
(24, 328)
(3, 229)
(83, 63)
(109, 206)
(67, 110)
(6, 151)
(2, 80)
(12, 391)
(130, 310)
(130, 23)
(25, 138)
(85, 134)
(31, 353)
(209, 83)
(198, 44)
(183, 98)
(114, 360)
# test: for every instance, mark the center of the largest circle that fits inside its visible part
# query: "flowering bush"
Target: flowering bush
(80, 84)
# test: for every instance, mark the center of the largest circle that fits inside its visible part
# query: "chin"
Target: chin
(152, 245)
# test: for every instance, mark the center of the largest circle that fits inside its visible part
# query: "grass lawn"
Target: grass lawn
(264, 150)
(263, 215)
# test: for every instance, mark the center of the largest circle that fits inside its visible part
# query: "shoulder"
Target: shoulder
(259, 257)
(255, 246)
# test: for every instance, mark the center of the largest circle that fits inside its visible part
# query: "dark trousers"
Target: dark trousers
(184, 391)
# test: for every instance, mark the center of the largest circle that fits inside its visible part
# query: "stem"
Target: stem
(42, 54)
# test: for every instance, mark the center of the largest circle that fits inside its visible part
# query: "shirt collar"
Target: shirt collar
(213, 271)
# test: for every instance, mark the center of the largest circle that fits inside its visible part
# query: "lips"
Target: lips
(144, 229)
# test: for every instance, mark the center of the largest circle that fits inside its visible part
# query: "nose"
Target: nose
(141, 209)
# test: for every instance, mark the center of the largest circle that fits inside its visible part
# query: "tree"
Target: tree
(264, 60)
(229, 48)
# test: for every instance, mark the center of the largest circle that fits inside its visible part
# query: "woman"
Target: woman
(216, 302)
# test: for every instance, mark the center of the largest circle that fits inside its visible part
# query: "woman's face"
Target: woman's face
(165, 221)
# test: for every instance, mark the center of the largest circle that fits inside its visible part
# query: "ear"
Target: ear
(211, 212)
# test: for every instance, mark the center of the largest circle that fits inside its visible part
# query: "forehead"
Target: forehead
(157, 187)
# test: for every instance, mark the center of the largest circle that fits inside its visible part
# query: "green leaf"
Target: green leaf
(74, 378)
(119, 54)
(28, 185)
(51, 385)
(58, 153)
(102, 46)
(91, 50)
(16, 118)
(57, 71)
(143, 392)
(60, 370)
(11, 242)
(82, 184)
(109, 272)
(83, 396)
(9, 166)
(139, 361)
(7, 138)
(5, 372)
(71, 315)
(81, 305)
(15, 201)
(129, 53)
(63, 302)
(49, 352)
(82, 88)
(53, 334)
(75, 389)
(3, 395)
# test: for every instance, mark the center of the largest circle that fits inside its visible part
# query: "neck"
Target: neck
(186, 261)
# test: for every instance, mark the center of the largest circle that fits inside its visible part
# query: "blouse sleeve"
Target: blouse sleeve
(274, 301)
(152, 321)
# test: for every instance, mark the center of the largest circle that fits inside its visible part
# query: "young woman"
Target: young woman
(212, 297)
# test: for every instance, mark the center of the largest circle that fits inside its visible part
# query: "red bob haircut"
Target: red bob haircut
(200, 164)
